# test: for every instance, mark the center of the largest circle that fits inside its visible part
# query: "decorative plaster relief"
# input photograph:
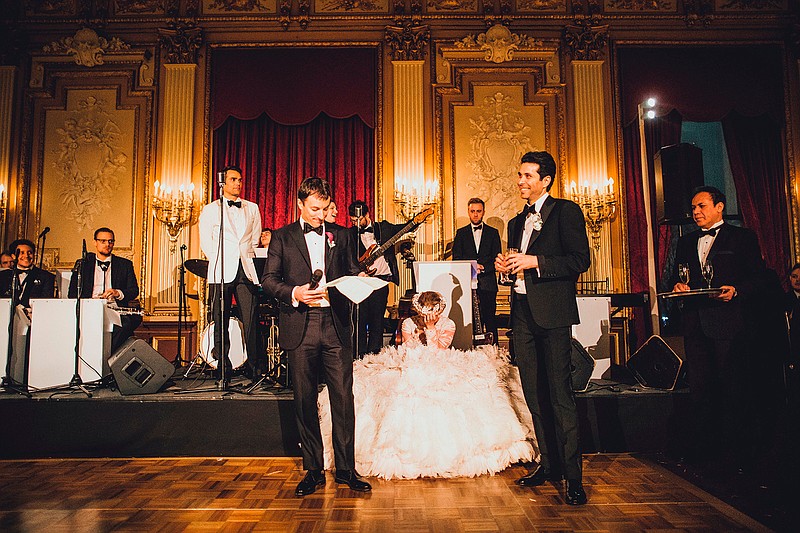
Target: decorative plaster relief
(334, 6)
(239, 6)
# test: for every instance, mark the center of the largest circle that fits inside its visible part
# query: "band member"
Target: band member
(31, 281)
(315, 330)
(333, 212)
(108, 276)
(6, 261)
(481, 242)
(233, 258)
(718, 329)
(551, 234)
(263, 243)
(371, 311)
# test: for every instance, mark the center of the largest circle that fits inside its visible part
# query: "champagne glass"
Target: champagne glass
(708, 272)
(683, 273)
(506, 278)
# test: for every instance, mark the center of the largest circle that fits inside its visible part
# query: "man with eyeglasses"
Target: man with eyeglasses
(108, 276)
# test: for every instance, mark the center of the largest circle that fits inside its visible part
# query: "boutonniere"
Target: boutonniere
(331, 242)
(537, 221)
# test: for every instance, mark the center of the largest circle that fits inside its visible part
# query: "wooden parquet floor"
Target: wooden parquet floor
(626, 493)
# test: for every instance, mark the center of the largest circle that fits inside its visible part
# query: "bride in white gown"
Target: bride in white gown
(424, 409)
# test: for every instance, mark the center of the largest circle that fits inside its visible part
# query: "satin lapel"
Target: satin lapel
(296, 231)
(547, 208)
(328, 247)
(720, 243)
(519, 226)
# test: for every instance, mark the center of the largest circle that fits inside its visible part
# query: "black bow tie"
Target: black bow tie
(308, 228)
(477, 228)
(235, 203)
(708, 232)
(368, 229)
(529, 209)
(103, 265)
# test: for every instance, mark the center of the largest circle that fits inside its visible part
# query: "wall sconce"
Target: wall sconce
(174, 208)
(599, 205)
(412, 196)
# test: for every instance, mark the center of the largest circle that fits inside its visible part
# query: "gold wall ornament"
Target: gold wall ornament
(498, 43)
(699, 12)
(180, 42)
(409, 41)
(640, 5)
(236, 5)
(86, 47)
(89, 161)
(587, 39)
(142, 6)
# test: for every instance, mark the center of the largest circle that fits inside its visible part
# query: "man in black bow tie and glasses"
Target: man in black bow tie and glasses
(32, 281)
(230, 252)
(718, 338)
(315, 330)
(111, 278)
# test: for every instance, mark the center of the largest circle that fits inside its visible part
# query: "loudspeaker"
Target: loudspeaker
(138, 368)
(655, 365)
(581, 367)
(678, 171)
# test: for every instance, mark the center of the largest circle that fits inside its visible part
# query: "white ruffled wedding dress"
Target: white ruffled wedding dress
(431, 412)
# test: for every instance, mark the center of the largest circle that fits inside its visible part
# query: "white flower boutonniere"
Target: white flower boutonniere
(331, 242)
(537, 221)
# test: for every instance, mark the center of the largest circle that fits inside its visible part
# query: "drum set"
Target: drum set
(277, 366)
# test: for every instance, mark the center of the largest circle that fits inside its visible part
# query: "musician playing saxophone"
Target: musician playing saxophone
(372, 310)
(112, 278)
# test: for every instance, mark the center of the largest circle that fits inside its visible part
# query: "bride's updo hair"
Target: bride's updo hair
(429, 304)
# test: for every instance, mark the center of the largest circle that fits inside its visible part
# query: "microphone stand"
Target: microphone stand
(76, 381)
(8, 383)
(43, 238)
(179, 360)
(359, 232)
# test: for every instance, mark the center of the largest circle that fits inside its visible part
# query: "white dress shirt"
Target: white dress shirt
(527, 233)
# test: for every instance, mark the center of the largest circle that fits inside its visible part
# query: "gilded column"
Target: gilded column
(179, 43)
(7, 76)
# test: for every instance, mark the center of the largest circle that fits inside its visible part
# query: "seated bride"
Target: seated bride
(424, 409)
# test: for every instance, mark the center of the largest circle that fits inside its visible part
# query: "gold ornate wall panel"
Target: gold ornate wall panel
(487, 116)
(89, 162)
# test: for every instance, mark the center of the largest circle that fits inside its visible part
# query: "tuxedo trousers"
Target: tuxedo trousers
(543, 357)
(321, 354)
(371, 313)
(488, 308)
(247, 306)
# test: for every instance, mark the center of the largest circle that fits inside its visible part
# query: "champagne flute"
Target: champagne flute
(683, 273)
(708, 272)
(506, 278)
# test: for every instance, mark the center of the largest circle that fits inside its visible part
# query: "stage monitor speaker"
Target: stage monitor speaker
(581, 367)
(655, 365)
(678, 171)
(138, 368)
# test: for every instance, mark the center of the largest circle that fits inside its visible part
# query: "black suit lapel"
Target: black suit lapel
(515, 240)
(547, 208)
(720, 243)
(296, 233)
(328, 247)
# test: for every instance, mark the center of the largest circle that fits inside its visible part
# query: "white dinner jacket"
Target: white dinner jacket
(236, 247)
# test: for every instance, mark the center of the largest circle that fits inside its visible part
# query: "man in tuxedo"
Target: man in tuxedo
(717, 329)
(108, 276)
(792, 308)
(315, 330)
(554, 250)
(231, 269)
(6, 261)
(372, 310)
(481, 242)
(31, 281)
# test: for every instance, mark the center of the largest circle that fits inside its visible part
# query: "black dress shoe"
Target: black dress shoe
(351, 478)
(313, 479)
(575, 493)
(538, 477)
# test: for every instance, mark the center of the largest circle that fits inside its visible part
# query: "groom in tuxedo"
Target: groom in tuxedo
(316, 330)
(717, 329)
(554, 250)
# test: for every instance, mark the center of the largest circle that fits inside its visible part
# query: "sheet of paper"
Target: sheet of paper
(357, 288)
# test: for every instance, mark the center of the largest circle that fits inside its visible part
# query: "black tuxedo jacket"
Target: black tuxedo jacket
(122, 277)
(736, 258)
(289, 265)
(383, 232)
(38, 284)
(464, 248)
(563, 251)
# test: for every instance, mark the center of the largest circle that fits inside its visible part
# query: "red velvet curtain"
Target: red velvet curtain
(275, 158)
(755, 151)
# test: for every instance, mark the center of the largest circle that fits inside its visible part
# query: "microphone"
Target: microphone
(220, 178)
(183, 247)
(315, 279)
(83, 251)
(44, 232)
(359, 211)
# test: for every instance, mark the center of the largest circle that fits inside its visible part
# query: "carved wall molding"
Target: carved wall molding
(180, 41)
(87, 49)
(586, 40)
(408, 42)
(498, 45)
(698, 12)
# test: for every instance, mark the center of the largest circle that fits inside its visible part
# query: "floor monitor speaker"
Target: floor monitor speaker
(581, 367)
(138, 368)
(655, 364)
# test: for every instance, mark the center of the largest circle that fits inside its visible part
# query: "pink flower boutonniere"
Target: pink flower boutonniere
(331, 242)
